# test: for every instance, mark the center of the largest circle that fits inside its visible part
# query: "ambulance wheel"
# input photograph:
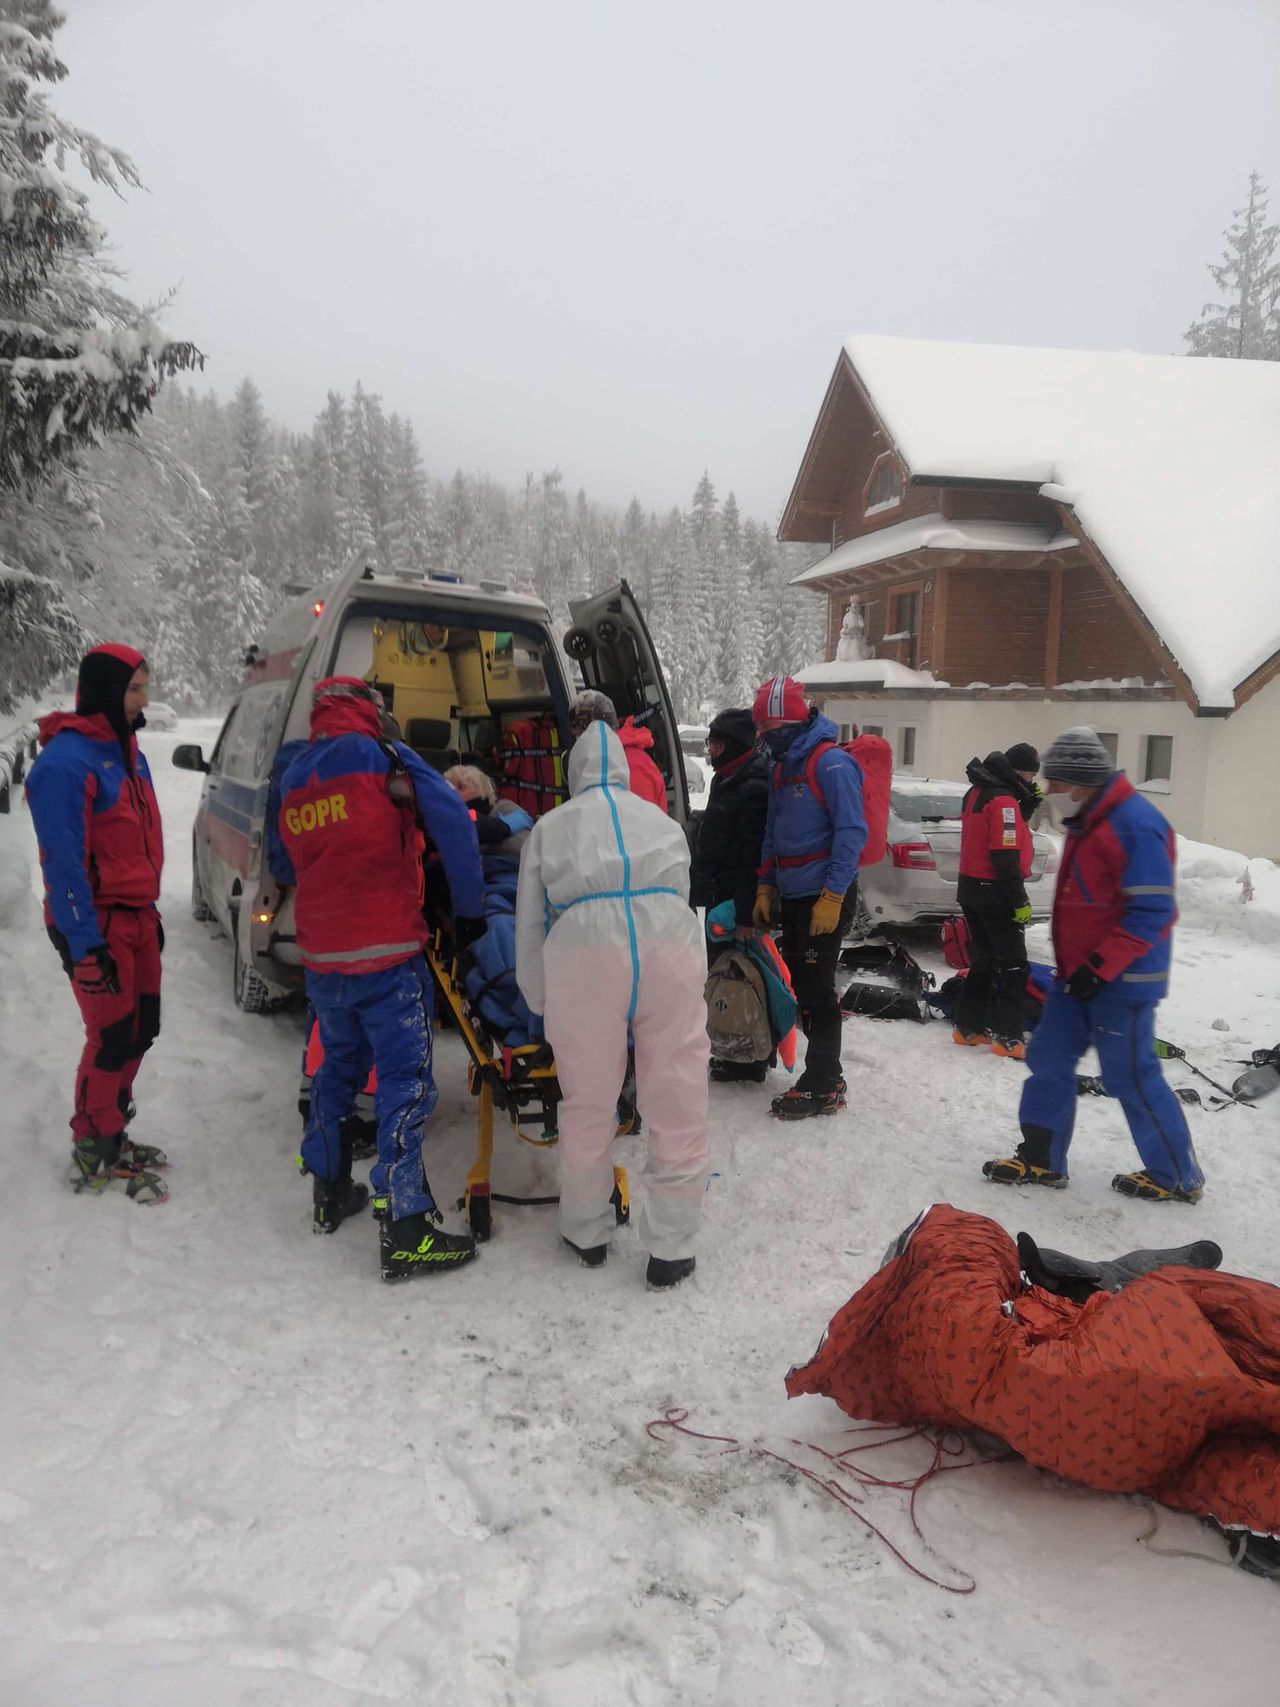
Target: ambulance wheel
(480, 1216)
(252, 995)
(578, 643)
(200, 908)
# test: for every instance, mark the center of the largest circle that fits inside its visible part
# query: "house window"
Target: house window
(873, 729)
(904, 625)
(884, 488)
(1157, 763)
(907, 746)
(1111, 742)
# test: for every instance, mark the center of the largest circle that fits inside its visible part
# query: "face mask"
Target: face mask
(1060, 807)
(777, 742)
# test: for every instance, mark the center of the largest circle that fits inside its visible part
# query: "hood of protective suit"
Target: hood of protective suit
(598, 757)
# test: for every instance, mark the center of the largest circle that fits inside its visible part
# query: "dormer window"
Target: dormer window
(884, 488)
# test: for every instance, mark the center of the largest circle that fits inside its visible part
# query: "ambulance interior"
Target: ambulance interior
(457, 691)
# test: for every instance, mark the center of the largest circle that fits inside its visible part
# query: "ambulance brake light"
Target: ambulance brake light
(317, 607)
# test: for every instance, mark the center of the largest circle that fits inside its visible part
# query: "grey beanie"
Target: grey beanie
(1079, 756)
(592, 706)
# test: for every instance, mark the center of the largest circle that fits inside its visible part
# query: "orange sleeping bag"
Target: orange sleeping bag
(1170, 1387)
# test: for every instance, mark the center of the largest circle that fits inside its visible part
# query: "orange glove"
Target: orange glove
(826, 914)
(762, 912)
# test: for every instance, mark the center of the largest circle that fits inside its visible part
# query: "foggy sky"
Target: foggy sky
(630, 240)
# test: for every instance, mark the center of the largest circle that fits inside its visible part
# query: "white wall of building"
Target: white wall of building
(948, 733)
(1242, 803)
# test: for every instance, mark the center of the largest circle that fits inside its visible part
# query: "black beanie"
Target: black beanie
(104, 675)
(736, 729)
(1022, 756)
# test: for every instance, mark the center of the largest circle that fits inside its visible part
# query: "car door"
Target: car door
(610, 643)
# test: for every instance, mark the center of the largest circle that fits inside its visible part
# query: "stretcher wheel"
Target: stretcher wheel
(480, 1216)
(578, 643)
(608, 632)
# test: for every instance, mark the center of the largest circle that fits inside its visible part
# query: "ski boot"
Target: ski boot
(1012, 1170)
(801, 1103)
(415, 1244)
(662, 1273)
(970, 1039)
(335, 1201)
(1141, 1185)
(1009, 1048)
(99, 1163)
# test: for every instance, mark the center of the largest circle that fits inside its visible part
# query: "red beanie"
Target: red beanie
(780, 696)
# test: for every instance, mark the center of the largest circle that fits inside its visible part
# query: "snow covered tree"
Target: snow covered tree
(77, 360)
(1246, 324)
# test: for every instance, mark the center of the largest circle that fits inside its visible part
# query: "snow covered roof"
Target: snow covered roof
(1168, 461)
(866, 672)
(933, 533)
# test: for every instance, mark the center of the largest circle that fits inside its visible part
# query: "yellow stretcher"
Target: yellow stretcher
(518, 1079)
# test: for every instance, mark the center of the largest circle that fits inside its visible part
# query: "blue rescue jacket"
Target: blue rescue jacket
(811, 843)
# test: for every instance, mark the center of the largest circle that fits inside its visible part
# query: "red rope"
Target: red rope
(946, 1444)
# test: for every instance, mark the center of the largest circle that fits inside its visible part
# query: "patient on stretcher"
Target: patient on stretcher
(502, 829)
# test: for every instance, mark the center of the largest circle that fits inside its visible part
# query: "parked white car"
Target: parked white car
(915, 883)
(160, 716)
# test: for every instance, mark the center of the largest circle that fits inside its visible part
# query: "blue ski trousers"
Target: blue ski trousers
(387, 1015)
(1123, 1033)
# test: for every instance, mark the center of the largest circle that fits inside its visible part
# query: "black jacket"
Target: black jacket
(991, 778)
(727, 854)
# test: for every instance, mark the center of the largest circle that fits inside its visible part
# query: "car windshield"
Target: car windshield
(926, 802)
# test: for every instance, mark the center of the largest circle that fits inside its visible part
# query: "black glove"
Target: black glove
(466, 931)
(97, 974)
(160, 932)
(1086, 981)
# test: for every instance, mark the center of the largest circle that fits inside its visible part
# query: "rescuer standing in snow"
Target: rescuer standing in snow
(349, 838)
(1113, 915)
(101, 850)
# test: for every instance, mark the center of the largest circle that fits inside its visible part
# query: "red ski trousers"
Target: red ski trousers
(119, 1029)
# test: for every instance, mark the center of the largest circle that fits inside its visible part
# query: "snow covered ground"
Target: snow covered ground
(236, 1468)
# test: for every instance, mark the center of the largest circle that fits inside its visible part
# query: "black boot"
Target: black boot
(593, 1256)
(803, 1102)
(663, 1273)
(335, 1201)
(739, 1072)
(415, 1244)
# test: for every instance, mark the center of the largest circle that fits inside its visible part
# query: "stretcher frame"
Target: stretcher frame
(502, 1076)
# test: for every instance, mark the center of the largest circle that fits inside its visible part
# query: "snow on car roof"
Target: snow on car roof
(1168, 461)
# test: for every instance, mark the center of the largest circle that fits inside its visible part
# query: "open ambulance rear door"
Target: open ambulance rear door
(610, 643)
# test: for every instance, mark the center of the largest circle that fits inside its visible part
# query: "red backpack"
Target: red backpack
(874, 756)
(957, 948)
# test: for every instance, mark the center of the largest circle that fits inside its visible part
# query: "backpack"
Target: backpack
(737, 1010)
(874, 758)
(530, 764)
(956, 948)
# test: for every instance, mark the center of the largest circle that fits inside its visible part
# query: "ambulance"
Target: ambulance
(472, 674)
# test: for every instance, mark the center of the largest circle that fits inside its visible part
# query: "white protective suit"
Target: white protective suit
(606, 941)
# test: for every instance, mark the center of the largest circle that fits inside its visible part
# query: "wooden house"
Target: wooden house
(1035, 538)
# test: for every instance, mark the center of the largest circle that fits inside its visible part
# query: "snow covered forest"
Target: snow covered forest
(212, 511)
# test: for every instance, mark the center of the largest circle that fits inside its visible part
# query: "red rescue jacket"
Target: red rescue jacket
(97, 824)
(991, 823)
(356, 852)
(646, 778)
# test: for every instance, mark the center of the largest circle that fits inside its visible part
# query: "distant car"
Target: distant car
(160, 716)
(915, 883)
(693, 739)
